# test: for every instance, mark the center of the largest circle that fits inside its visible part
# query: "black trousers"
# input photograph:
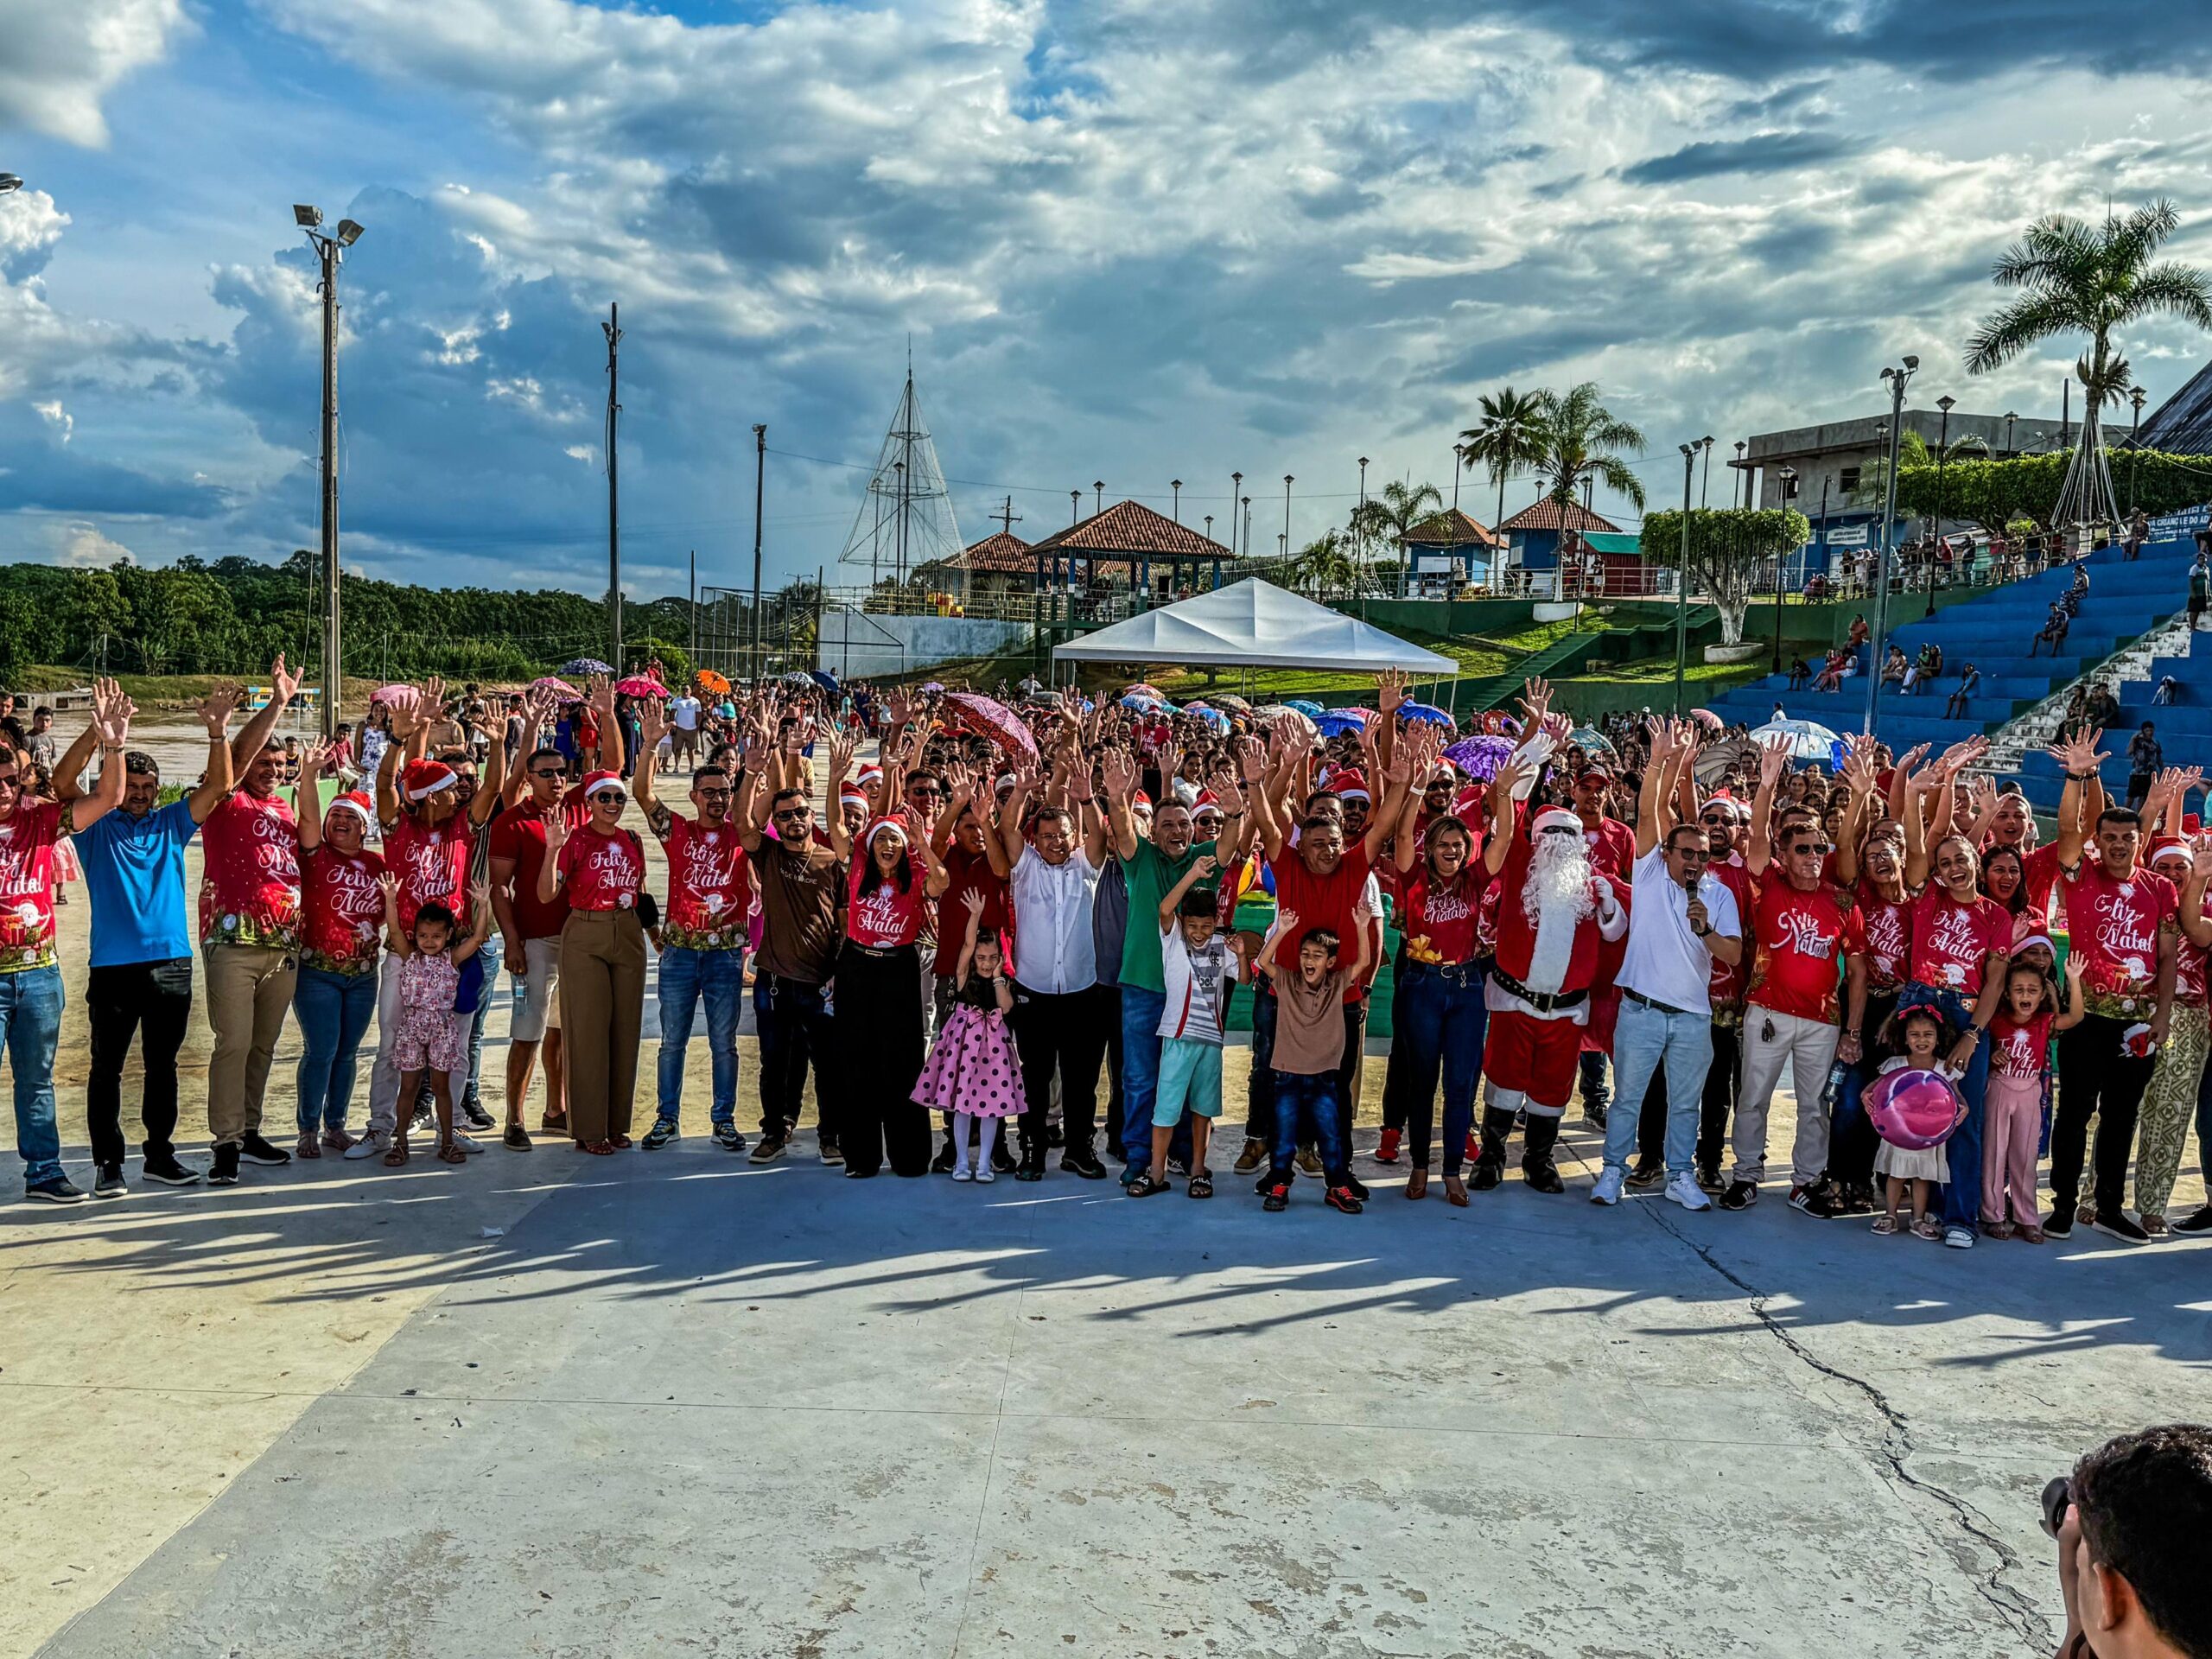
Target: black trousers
(2095, 1076)
(878, 1027)
(1065, 1031)
(794, 1028)
(151, 1000)
(1719, 1102)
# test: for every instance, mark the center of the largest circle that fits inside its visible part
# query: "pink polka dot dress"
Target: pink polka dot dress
(975, 1067)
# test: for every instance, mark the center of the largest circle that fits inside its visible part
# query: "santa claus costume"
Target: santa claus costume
(1555, 909)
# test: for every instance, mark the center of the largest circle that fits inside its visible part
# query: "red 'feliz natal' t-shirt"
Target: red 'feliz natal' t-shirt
(603, 872)
(2114, 926)
(1725, 980)
(27, 842)
(709, 893)
(885, 917)
(2015, 1050)
(1440, 925)
(341, 911)
(1952, 941)
(431, 861)
(1881, 931)
(1798, 943)
(250, 882)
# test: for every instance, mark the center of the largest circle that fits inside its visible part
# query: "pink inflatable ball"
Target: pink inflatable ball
(1914, 1109)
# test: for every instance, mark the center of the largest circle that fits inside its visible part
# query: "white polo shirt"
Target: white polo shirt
(1053, 904)
(1665, 960)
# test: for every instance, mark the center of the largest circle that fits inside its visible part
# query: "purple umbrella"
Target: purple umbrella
(1480, 757)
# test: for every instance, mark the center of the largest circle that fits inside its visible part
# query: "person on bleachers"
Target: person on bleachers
(1860, 632)
(2103, 707)
(2053, 632)
(1800, 671)
(2200, 581)
(2145, 759)
(1840, 662)
(1894, 667)
(2168, 687)
(2139, 531)
(1969, 677)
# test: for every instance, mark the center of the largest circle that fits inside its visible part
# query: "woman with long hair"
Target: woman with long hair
(602, 866)
(878, 1008)
(1442, 1014)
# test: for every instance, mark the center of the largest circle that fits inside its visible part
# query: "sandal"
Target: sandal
(1455, 1191)
(309, 1147)
(1925, 1227)
(1997, 1229)
(1145, 1186)
(1417, 1185)
(2154, 1224)
(597, 1148)
(1201, 1184)
(620, 1142)
(2029, 1232)
(1885, 1226)
(450, 1153)
(397, 1157)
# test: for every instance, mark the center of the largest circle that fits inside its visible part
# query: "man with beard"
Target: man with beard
(1682, 919)
(1554, 910)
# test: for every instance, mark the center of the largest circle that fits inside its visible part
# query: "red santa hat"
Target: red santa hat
(1142, 799)
(851, 796)
(2165, 844)
(600, 782)
(1722, 798)
(1556, 817)
(1350, 784)
(886, 826)
(354, 801)
(424, 778)
(1206, 798)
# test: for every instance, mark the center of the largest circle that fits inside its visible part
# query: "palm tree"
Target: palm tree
(1391, 516)
(1325, 565)
(1579, 438)
(2077, 278)
(1504, 440)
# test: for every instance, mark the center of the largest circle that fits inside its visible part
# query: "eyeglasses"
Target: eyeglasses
(551, 775)
(1559, 830)
(928, 791)
(794, 812)
(1692, 854)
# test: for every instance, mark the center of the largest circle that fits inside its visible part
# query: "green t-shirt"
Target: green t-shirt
(1149, 875)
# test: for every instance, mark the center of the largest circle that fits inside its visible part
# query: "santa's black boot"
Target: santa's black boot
(1537, 1169)
(1490, 1167)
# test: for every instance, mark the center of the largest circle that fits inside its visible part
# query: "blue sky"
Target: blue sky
(1129, 241)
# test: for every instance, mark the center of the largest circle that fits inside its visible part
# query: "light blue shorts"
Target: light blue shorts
(1190, 1076)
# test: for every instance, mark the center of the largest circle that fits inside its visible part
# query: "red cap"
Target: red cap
(424, 778)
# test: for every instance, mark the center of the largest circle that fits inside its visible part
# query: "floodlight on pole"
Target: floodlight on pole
(1895, 379)
(1682, 575)
(305, 217)
(348, 232)
(330, 254)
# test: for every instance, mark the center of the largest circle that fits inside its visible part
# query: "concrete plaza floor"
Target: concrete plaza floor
(678, 1404)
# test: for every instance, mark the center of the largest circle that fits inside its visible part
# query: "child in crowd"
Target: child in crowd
(2011, 1112)
(974, 1072)
(433, 1036)
(1309, 1051)
(1924, 1034)
(1199, 968)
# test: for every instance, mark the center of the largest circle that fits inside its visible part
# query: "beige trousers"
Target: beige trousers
(249, 992)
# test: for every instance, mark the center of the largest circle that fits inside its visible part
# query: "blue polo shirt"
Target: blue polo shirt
(134, 870)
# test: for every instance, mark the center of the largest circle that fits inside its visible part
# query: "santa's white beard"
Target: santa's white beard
(1555, 898)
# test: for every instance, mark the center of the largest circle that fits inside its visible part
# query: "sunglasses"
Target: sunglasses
(1718, 820)
(552, 773)
(1692, 854)
(925, 794)
(795, 812)
(615, 796)
(1820, 847)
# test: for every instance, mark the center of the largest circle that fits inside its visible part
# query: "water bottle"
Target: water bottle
(521, 992)
(1833, 1092)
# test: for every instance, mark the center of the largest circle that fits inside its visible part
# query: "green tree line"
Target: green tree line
(1994, 493)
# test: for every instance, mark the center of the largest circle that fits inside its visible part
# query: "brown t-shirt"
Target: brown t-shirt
(1309, 1023)
(800, 895)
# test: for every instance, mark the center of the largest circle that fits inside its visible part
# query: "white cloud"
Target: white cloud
(54, 415)
(63, 57)
(82, 545)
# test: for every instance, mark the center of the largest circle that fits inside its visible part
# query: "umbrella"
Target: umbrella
(1280, 713)
(996, 722)
(1336, 724)
(1227, 700)
(932, 685)
(825, 679)
(1311, 711)
(396, 693)
(1213, 717)
(585, 665)
(1145, 688)
(1426, 711)
(1808, 739)
(1590, 740)
(640, 685)
(1715, 757)
(1707, 719)
(1147, 705)
(1364, 716)
(1480, 757)
(710, 680)
(799, 677)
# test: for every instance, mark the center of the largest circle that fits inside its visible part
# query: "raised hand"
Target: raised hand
(1120, 773)
(840, 759)
(1206, 864)
(1774, 760)
(1223, 783)
(652, 725)
(557, 831)
(972, 901)
(216, 709)
(1390, 693)
(1535, 700)
(286, 686)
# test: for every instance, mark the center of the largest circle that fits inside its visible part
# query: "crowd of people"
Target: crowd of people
(1008, 916)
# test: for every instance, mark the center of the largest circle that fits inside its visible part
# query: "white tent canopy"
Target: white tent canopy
(1253, 624)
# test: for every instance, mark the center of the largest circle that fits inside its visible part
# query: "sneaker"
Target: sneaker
(1608, 1189)
(1685, 1191)
(2059, 1224)
(1082, 1160)
(516, 1139)
(1278, 1196)
(60, 1190)
(107, 1182)
(728, 1138)
(1177, 1165)
(554, 1123)
(2199, 1221)
(829, 1151)
(1032, 1167)
(1817, 1200)
(1343, 1199)
(659, 1136)
(1386, 1149)
(1645, 1177)
(1358, 1187)
(1709, 1181)
(962, 1172)
(425, 1120)
(940, 1165)
(1959, 1238)
(473, 1114)
(1593, 1113)
(769, 1147)
(374, 1144)
(1739, 1195)
(255, 1150)
(309, 1146)
(1255, 1154)
(169, 1172)
(466, 1143)
(1309, 1160)
(224, 1171)
(2119, 1224)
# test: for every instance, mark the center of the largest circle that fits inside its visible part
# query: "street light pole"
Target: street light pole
(760, 489)
(1235, 488)
(1682, 575)
(2134, 437)
(1176, 485)
(1286, 514)
(1896, 378)
(1789, 477)
(330, 250)
(613, 330)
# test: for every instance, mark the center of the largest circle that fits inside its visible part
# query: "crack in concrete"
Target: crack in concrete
(2016, 1611)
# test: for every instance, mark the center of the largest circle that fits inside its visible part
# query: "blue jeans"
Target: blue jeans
(334, 1012)
(1962, 1192)
(1312, 1101)
(685, 975)
(1644, 1037)
(1443, 1018)
(30, 1024)
(1141, 1012)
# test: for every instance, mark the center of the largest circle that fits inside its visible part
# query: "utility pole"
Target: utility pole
(1286, 514)
(1682, 575)
(759, 480)
(613, 330)
(694, 607)
(330, 249)
(1176, 485)
(1097, 496)
(1896, 378)
(1236, 488)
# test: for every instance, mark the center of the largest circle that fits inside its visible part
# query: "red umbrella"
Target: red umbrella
(996, 722)
(559, 687)
(641, 686)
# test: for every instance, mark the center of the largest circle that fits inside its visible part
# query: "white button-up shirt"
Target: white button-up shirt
(1052, 903)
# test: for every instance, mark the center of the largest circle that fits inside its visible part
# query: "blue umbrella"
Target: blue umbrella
(1338, 725)
(1311, 711)
(1424, 711)
(825, 679)
(1213, 717)
(585, 665)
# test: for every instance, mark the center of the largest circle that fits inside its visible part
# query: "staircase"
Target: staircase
(1480, 696)
(2126, 601)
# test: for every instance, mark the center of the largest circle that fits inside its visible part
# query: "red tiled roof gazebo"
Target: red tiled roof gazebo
(1128, 534)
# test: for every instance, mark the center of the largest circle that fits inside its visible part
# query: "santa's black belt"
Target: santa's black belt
(1541, 1001)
